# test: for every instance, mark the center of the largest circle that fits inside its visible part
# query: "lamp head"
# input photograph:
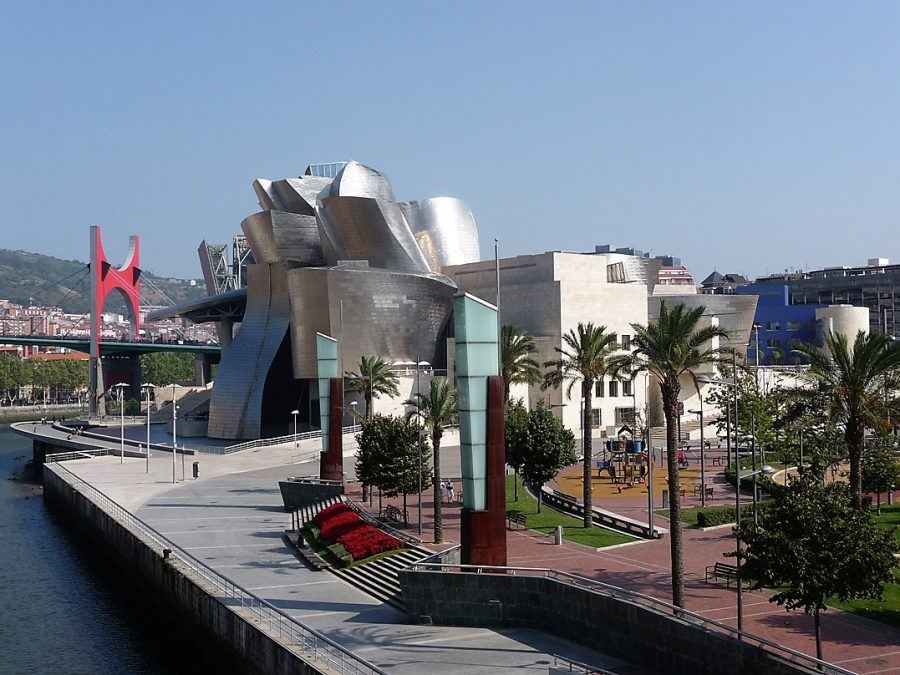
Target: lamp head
(295, 412)
(768, 470)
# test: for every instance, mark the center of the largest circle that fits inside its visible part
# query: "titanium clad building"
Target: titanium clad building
(333, 253)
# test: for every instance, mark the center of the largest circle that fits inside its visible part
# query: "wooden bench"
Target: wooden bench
(722, 570)
(516, 518)
(394, 514)
(717, 461)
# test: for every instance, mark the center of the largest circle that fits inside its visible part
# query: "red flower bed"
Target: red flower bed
(339, 523)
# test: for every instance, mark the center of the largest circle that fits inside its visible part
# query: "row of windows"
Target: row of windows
(623, 416)
(613, 387)
(776, 325)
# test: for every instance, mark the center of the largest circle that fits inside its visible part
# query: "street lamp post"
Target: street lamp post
(147, 387)
(702, 452)
(174, 434)
(419, 436)
(121, 388)
(295, 413)
(768, 470)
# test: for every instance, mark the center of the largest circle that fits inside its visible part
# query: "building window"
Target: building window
(615, 273)
(598, 388)
(613, 387)
(624, 416)
(773, 325)
(773, 343)
(626, 342)
(596, 418)
(793, 325)
(627, 387)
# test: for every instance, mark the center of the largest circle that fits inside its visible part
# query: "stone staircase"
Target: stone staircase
(378, 578)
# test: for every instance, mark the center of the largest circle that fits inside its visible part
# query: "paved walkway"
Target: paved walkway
(233, 520)
(851, 641)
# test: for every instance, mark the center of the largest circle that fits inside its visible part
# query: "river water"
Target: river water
(63, 607)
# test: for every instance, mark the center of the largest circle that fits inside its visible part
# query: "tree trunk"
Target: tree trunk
(516, 485)
(588, 448)
(853, 435)
(669, 393)
(818, 633)
(878, 499)
(367, 395)
(405, 520)
(438, 532)
(540, 492)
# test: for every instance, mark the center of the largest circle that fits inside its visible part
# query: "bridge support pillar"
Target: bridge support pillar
(226, 333)
(202, 369)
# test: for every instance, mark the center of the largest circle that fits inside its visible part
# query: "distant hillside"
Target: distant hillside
(31, 278)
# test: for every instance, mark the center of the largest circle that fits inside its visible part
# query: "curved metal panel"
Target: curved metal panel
(359, 180)
(445, 230)
(235, 406)
(276, 235)
(371, 229)
(299, 195)
(397, 316)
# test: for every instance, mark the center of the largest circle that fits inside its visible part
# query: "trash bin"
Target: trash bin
(557, 535)
(196, 469)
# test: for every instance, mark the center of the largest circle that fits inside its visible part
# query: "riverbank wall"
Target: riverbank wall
(259, 637)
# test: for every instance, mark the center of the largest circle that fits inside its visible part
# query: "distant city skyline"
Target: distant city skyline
(745, 139)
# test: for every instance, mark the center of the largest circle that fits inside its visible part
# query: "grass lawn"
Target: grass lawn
(887, 611)
(547, 520)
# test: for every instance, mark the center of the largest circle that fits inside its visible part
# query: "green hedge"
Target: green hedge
(723, 516)
(339, 552)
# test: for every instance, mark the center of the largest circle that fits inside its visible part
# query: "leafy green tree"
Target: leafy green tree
(166, 368)
(672, 347)
(373, 379)
(518, 366)
(584, 358)
(437, 410)
(376, 443)
(880, 468)
(401, 470)
(850, 382)
(516, 439)
(549, 448)
(814, 543)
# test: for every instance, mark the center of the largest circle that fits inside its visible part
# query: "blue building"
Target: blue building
(781, 325)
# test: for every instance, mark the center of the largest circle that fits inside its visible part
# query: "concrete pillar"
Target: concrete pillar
(226, 333)
(202, 370)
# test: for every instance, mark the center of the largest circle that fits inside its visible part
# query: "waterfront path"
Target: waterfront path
(233, 521)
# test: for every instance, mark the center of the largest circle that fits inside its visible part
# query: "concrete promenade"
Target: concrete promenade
(232, 520)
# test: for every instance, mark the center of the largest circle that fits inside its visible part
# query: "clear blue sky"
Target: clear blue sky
(748, 138)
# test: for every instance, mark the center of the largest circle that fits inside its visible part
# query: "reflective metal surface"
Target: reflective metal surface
(319, 242)
(444, 229)
(236, 403)
(372, 230)
(359, 180)
(276, 235)
(396, 316)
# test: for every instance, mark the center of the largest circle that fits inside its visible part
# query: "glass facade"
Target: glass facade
(326, 368)
(477, 358)
(326, 169)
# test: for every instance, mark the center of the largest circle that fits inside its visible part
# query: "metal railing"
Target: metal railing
(78, 454)
(290, 631)
(405, 537)
(278, 440)
(592, 585)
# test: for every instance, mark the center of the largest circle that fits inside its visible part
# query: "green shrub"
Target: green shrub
(723, 516)
(339, 552)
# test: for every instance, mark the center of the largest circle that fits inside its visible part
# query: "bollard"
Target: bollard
(558, 535)
(196, 469)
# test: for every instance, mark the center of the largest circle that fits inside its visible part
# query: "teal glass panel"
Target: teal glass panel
(472, 393)
(476, 429)
(476, 320)
(477, 359)
(326, 368)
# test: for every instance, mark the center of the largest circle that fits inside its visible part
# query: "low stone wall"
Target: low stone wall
(296, 494)
(638, 634)
(257, 650)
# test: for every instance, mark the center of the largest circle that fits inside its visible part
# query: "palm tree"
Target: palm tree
(851, 382)
(374, 378)
(672, 347)
(437, 410)
(518, 365)
(584, 358)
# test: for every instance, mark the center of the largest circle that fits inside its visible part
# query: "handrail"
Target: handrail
(305, 638)
(634, 597)
(278, 440)
(374, 522)
(78, 454)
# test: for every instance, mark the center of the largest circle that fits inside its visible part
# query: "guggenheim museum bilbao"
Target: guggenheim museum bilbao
(333, 252)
